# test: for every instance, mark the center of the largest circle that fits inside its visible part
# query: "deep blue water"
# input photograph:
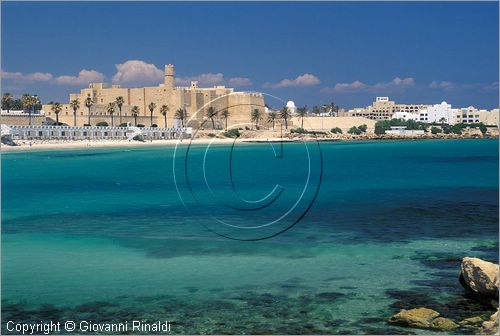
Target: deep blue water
(103, 234)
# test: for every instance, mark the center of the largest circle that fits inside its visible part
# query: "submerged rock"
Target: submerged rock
(475, 320)
(480, 277)
(490, 327)
(423, 318)
(444, 324)
(417, 318)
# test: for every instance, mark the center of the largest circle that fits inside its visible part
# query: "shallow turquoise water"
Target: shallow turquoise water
(103, 234)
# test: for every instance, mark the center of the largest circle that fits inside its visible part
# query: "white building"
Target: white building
(470, 114)
(438, 113)
(21, 112)
(291, 106)
(401, 130)
(406, 116)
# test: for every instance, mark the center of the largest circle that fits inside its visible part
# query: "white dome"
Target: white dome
(290, 104)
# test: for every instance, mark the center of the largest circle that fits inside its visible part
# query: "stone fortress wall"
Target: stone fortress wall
(194, 99)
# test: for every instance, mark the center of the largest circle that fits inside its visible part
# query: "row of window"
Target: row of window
(470, 116)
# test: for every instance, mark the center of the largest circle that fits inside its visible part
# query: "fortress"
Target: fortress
(193, 99)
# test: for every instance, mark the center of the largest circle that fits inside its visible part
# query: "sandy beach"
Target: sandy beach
(36, 145)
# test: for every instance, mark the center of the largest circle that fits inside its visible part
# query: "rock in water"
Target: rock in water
(475, 320)
(480, 277)
(444, 324)
(417, 318)
(490, 327)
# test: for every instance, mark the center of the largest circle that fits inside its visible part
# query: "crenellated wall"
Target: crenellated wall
(193, 98)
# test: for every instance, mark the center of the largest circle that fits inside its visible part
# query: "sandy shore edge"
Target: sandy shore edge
(36, 145)
(56, 145)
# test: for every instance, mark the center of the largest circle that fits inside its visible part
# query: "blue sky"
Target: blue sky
(312, 53)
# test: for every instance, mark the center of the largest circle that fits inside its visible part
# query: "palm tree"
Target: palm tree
(315, 110)
(28, 102)
(151, 108)
(211, 113)
(88, 104)
(111, 111)
(256, 116)
(181, 114)
(7, 99)
(225, 114)
(271, 117)
(334, 109)
(302, 112)
(119, 102)
(285, 115)
(135, 113)
(163, 110)
(56, 108)
(75, 105)
(36, 103)
(326, 109)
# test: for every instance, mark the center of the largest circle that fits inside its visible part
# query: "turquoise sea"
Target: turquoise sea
(102, 234)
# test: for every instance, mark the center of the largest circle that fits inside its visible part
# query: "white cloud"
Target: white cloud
(135, 71)
(441, 85)
(239, 81)
(84, 77)
(39, 76)
(396, 83)
(493, 86)
(447, 86)
(356, 85)
(303, 80)
(30, 77)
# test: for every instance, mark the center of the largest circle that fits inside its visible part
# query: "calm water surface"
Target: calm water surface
(102, 235)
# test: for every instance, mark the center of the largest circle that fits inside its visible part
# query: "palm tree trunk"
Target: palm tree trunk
(74, 118)
(165, 120)
(135, 120)
(286, 123)
(151, 118)
(57, 119)
(119, 107)
(213, 123)
(302, 126)
(226, 124)
(89, 116)
(29, 112)
(112, 121)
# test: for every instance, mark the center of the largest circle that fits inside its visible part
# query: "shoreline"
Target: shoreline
(24, 145)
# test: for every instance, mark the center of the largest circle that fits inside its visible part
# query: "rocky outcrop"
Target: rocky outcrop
(480, 279)
(422, 318)
(472, 321)
(441, 323)
(490, 327)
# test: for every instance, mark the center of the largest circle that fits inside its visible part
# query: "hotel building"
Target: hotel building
(383, 109)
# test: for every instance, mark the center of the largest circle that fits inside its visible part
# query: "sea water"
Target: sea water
(328, 238)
